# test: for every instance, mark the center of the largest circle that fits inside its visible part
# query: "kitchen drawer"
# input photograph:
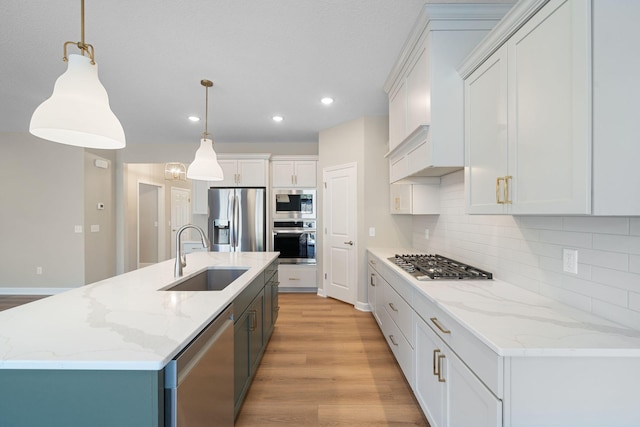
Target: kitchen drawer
(297, 276)
(399, 311)
(483, 361)
(399, 345)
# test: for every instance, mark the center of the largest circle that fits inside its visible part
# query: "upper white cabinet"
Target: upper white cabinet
(426, 93)
(548, 127)
(247, 171)
(415, 199)
(294, 172)
(243, 172)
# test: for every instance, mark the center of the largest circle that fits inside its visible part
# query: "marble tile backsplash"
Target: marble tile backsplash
(527, 251)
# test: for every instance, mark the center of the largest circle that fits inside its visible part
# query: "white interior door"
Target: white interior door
(340, 247)
(180, 214)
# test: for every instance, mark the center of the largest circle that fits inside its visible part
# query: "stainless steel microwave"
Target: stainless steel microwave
(294, 203)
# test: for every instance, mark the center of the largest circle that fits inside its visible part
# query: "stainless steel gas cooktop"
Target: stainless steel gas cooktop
(428, 267)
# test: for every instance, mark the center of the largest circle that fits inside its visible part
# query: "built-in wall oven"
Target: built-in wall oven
(294, 203)
(295, 240)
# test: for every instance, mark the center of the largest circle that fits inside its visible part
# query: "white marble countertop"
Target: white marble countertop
(121, 323)
(513, 321)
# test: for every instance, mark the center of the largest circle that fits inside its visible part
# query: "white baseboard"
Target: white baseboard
(362, 306)
(32, 291)
(322, 293)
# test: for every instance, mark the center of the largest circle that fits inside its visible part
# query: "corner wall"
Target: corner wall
(363, 141)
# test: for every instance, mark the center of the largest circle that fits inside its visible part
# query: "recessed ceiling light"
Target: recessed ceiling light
(327, 100)
(194, 118)
(277, 119)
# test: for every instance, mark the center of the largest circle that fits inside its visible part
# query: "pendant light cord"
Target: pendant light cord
(207, 84)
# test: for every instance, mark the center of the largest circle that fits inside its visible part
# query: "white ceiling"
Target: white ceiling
(265, 57)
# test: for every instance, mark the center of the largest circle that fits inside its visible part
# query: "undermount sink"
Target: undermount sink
(213, 279)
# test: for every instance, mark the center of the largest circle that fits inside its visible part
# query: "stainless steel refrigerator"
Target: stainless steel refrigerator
(237, 219)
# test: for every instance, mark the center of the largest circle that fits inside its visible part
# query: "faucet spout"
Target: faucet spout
(181, 260)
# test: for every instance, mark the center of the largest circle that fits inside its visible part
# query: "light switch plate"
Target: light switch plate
(77, 229)
(372, 232)
(570, 261)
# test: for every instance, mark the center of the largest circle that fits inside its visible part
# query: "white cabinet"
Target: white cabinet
(248, 171)
(242, 173)
(297, 278)
(415, 199)
(528, 118)
(373, 281)
(426, 93)
(293, 173)
(448, 392)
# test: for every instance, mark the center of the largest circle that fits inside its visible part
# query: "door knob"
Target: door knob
(350, 243)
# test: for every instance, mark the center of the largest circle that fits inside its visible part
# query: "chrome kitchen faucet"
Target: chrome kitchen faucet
(181, 260)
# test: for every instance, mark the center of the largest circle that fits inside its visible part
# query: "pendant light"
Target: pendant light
(78, 111)
(205, 166)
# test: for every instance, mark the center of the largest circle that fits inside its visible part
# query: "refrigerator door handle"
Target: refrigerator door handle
(230, 215)
(236, 220)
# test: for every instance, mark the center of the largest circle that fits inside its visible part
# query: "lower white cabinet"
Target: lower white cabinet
(372, 291)
(448, 392)
(297, 278)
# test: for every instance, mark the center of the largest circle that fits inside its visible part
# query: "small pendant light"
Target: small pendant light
(78, 111)
(205, 166)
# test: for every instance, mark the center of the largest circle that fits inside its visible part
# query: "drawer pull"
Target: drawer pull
(254, 320)
(393, 341)
(373, 283)
(372, 262)
(440, 377)
(392, 307)
(435, 359)
(439, 326)
(294, 278)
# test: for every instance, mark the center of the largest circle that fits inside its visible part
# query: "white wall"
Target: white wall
(527, 251)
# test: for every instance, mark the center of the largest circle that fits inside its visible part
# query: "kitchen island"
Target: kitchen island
(61, 357)
(488, 353)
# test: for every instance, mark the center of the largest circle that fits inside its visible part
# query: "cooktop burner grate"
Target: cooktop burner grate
(425, 267)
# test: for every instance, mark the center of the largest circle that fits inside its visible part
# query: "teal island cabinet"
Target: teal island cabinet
(96, 355)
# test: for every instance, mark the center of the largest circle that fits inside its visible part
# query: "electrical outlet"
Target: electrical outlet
(570, 261)
(77, 229)
(38, 270)
(426, 234)
(372, 232)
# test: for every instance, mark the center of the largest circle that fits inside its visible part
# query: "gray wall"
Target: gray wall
(364, 141)
(42, 201)
(99, 187)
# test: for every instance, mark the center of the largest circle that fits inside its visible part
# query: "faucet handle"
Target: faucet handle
(183, 260)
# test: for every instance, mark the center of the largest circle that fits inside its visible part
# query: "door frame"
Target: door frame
(161, 219)
(324, 232)
(173, 189)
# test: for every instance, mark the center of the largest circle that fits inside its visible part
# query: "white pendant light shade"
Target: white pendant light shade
(78, 111)
(205, 166)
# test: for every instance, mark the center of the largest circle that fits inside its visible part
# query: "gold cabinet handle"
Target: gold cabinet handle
(393, 341)
(440, 377)
(507, 198)
(435, 321)
(373, 283)
(294, 278)
(498, 200)
(435, 362)
(393, 307)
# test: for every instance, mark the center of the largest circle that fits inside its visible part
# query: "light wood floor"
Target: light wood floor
(10, 301)
(327, 364)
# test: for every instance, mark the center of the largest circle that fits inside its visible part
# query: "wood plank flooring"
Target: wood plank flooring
(327, 364)
(10, 301)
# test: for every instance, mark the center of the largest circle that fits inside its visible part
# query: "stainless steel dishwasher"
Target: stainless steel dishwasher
(199, 381)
